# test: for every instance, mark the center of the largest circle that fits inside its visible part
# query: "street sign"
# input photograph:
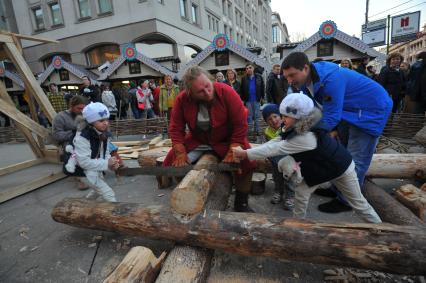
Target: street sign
(375, 37)
(405, 27)
(375, 25)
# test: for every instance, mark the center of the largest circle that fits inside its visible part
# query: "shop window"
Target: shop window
(325, 48)
(64, 75)
(134, 67)
(221, 58)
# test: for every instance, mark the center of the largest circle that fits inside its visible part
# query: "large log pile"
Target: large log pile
(383, 247)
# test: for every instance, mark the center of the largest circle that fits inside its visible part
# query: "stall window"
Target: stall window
(8, 83)
(325, 48)
(134, 67)
(221, 58)
(64, 75)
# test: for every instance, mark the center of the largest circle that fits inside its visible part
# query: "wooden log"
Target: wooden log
(413, 198)
(139, 265)
(397, 166)
(388, 208)
(383, 247)
(154, 141)
(162, 181)
(190, 195)
(192, 264)
(149, 157)
(258, 183)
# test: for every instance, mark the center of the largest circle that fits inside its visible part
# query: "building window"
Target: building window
(8, 82)
(160, 1)
(64, 75)
(213, 23)
(276, 34)
(229, 10)
(55, 11)
(105, 6)
(134, 67)
(194, 12)
(38, 18)
(224, 8)
(221, 58)
(325, 48)
(84, 8)
(183, 12)
(100, 54)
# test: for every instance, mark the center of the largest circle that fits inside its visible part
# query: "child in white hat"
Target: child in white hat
(91, 151)
(321, 158)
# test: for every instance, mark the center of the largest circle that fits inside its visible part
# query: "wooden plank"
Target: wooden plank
(35, 38)
(52, 155)
(22, 119)
(413, 198)
(130, 143)
(9, 193)
(6, 38)
(20, 166)
(154, 141)
(30, 80)
(139, 265)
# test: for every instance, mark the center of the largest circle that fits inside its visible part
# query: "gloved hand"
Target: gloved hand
(181, 158)
(229, 157)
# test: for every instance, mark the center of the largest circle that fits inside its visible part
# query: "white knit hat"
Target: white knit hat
(296, 105)
(95, 112)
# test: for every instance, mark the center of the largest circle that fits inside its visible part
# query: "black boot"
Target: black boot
(241, 203)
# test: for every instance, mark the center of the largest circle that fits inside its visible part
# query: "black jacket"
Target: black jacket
(393, 81)
(91, 92)
(260, 88)
(276, 88)
(416, 85)
(236, 86)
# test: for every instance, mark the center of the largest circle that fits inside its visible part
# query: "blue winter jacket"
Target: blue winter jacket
(347, 95)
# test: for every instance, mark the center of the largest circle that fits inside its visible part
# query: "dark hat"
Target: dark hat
(269, 109)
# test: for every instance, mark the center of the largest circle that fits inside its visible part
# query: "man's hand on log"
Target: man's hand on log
(181, 158)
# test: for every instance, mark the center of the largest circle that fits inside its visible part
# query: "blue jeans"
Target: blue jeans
(361, 146)
(254, 114)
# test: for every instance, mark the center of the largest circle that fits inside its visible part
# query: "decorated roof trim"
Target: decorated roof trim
(221, 42)
(340, 36)
(16, 78)
(129, 53)
(59, 63)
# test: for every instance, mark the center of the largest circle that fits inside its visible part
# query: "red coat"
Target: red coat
(228, 120)
(156, 95)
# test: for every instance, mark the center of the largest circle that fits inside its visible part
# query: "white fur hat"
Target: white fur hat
(95, 112)
(296, 105)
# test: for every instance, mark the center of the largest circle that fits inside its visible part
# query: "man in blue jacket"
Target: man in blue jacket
(355, 109)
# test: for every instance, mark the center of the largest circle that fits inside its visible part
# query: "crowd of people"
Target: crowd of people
(323, 124)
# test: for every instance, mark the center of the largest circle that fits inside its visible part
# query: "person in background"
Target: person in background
(346, 63)
(219, 77)
(416, 86)
(122, 100)
(271, 115)
(231, 80)
(252, 93)
(91, 92)
(362, 67)
(276, 86)
(64, 126)
(155, 89)
(392, 79)
(147, 100)
(56, 98)
(371, 73)
(108, 99)
(168, 94)
(133, 100)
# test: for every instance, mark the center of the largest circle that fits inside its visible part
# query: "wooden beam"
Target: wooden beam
(139, 265)
(9, 193)
(383, 247)
(22, 119)
(29, 80)
(20, 166)
(413, 198)
(4, 38)
(34, 38)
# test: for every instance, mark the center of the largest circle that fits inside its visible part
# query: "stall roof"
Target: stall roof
(16, 78)
(59, 63)
(129, 53)
(221, 42)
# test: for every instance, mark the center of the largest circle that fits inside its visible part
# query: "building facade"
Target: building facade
(409, 50)
(279, 33)
(7, 16)
(90, 32)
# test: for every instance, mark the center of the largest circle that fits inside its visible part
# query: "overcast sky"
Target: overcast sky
(305, 16)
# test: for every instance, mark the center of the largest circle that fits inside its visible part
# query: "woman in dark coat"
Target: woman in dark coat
(393, 79)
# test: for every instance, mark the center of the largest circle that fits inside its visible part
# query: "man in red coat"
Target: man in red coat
(217, 121)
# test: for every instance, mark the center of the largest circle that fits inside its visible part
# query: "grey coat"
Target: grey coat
(64, 127)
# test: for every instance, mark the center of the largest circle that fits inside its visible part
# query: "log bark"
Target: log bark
(412, 198)
(192, 264)
(190, 195)
(388, 208)
(383, 247)
(139, 265)
(397, 166)
(258, 183)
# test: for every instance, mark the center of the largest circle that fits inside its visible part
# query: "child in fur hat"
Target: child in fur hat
(271, 115)
(91, 151)
(321, 157)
